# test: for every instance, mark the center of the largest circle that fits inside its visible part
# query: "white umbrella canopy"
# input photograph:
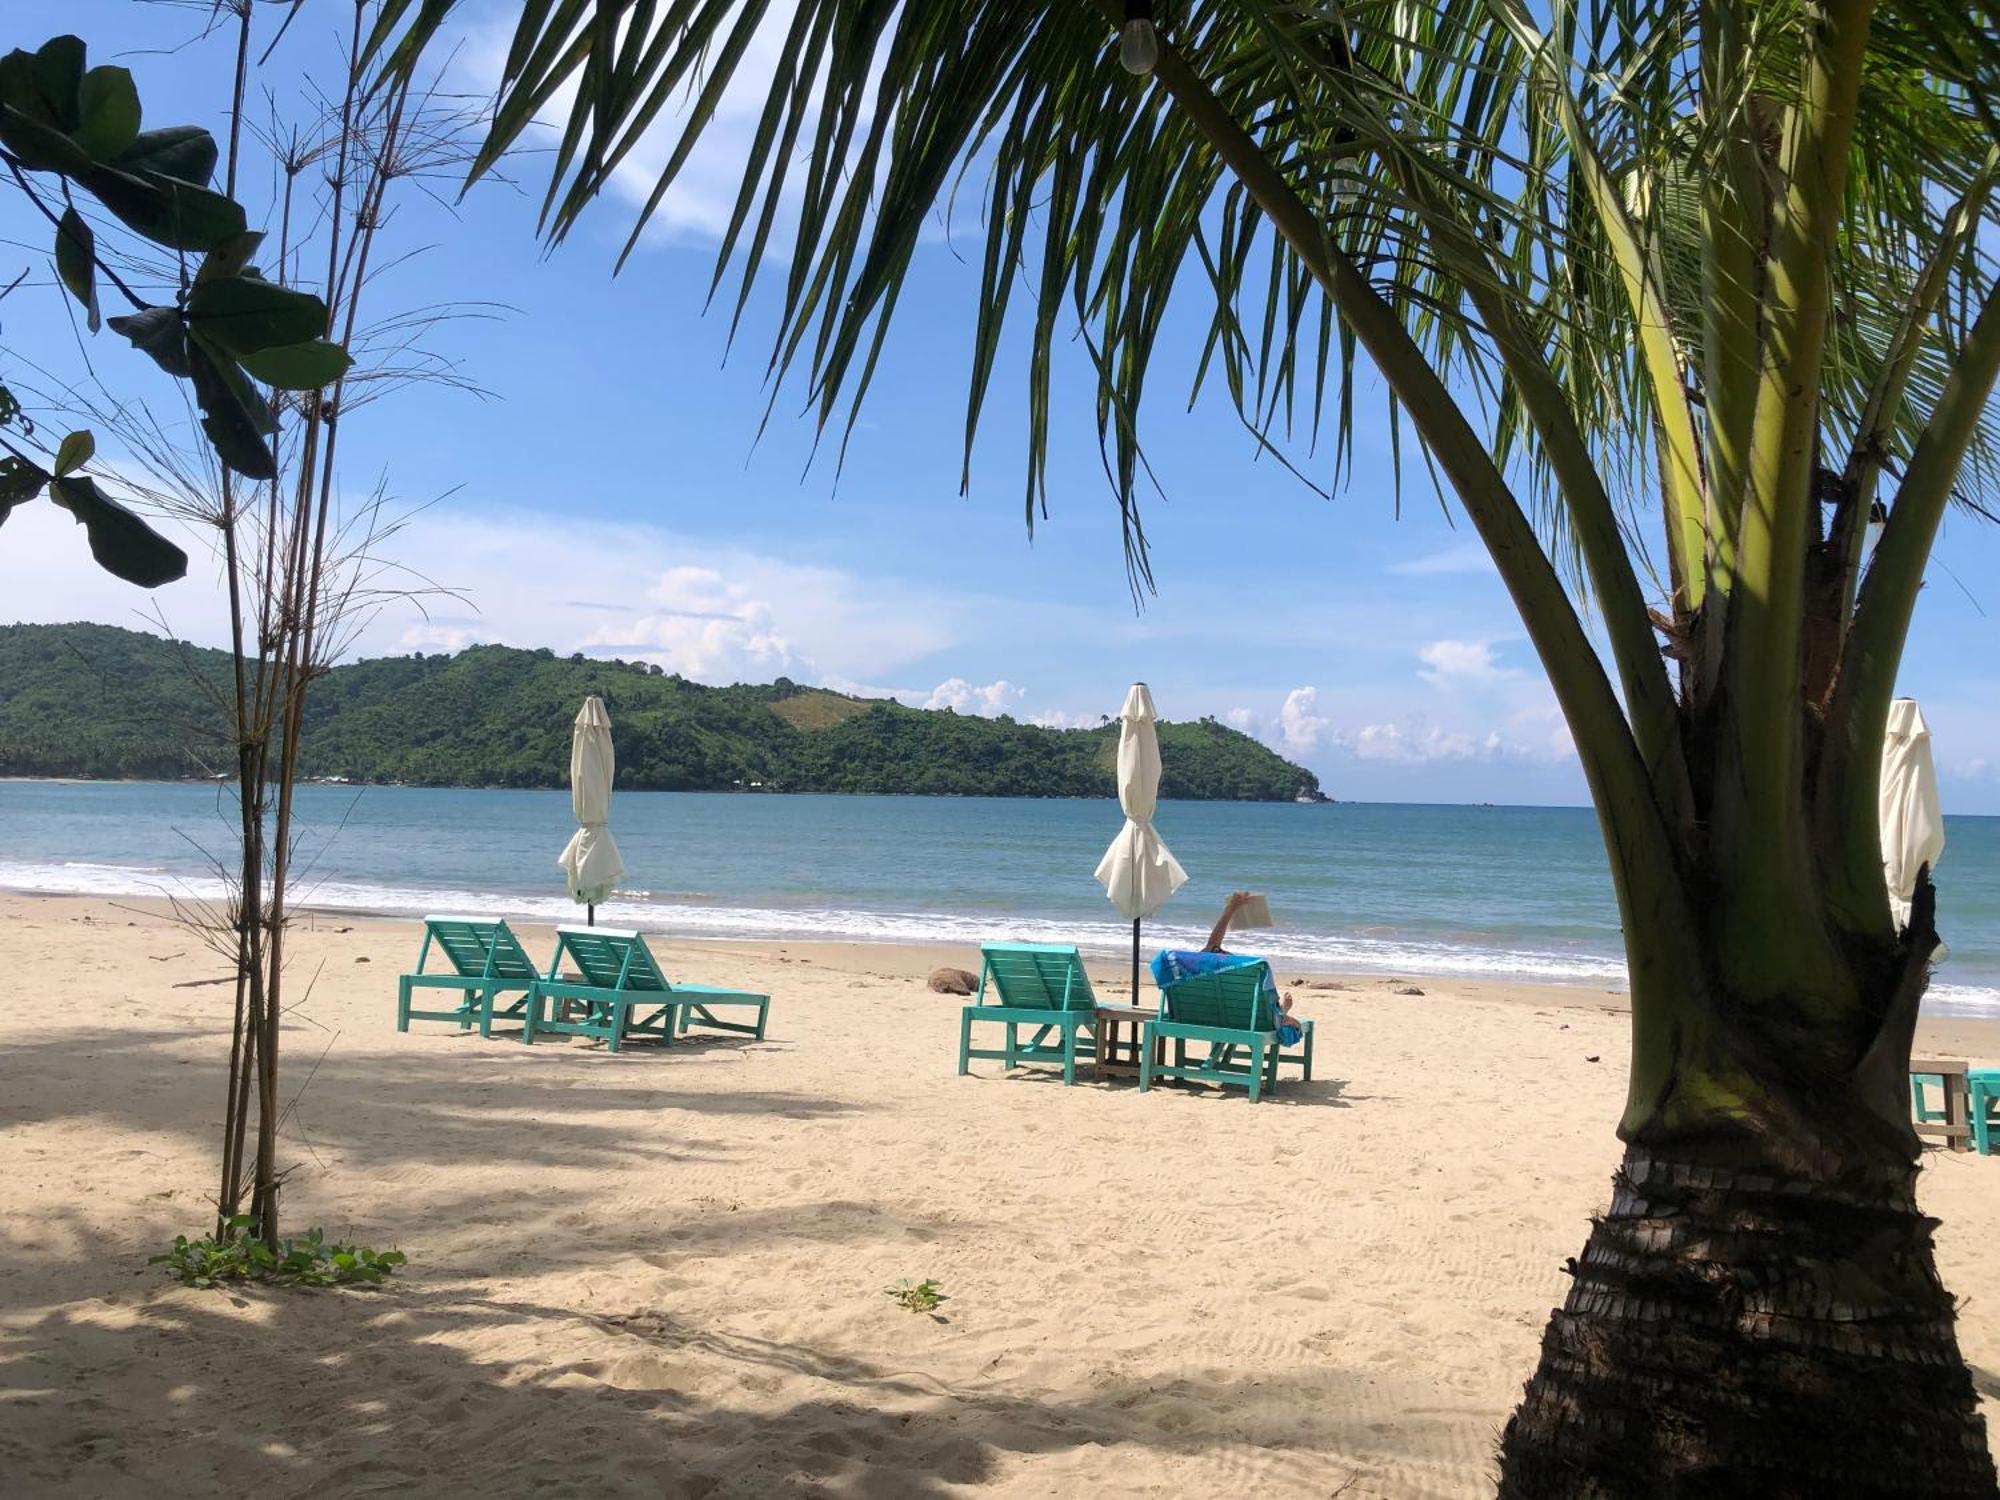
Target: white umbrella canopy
(1912, 817)
(591, 861)
(1138, 872)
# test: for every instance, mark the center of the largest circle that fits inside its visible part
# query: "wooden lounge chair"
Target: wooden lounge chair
(487, 962)
(1034, 984)
(623, 993)
(1229, 1010)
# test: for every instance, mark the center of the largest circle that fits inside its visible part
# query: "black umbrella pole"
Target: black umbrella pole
(1135, 960)
(590, 914)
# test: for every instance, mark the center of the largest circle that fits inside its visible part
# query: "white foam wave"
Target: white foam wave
(1314, 951)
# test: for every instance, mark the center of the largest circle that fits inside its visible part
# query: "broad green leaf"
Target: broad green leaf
(76, 263)
(243, 314)
(20, 481)
(59, 77)
(304, 366)
(230, 257)
(159, 332)
(185, 152)
(108, 113)
(123, 544)
(40, 147)
(167, 210)
(75, 451)
(233, 416)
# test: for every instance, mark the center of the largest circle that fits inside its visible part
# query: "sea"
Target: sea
(1519, 893)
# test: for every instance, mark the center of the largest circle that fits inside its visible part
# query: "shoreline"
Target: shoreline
(1947, 1034)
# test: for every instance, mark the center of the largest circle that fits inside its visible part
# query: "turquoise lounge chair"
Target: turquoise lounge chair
(1228, 1010)
(617, 982)
(487, 962)
(1035, 984)
(1983, 1086)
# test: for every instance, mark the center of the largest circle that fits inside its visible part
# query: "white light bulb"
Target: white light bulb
(1139, 48)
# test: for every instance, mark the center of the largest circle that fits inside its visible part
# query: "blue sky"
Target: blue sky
(610, 494)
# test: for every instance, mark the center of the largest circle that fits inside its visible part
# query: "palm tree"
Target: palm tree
(1718, 273)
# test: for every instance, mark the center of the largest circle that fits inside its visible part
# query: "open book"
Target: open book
(1256, 912)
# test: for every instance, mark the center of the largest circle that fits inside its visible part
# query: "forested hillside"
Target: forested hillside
(95, 700)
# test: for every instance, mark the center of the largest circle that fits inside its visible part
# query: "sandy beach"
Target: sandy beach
(662, 1272)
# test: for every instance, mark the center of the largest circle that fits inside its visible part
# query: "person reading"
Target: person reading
(1171, 964)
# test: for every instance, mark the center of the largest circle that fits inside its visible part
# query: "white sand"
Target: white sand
(662, 1273)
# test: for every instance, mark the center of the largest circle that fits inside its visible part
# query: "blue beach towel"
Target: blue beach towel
(1171, 964)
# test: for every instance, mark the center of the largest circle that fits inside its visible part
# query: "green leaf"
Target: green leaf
(75, 451)
(123, 544)
(20, 482)
(241, 315)
(159, 332)
(186, 152)
(76, 263)
(58, 70)
(232, 415)
(303, 366)
(230, 257)
(169, 211)
(107, 113)
(40, 147)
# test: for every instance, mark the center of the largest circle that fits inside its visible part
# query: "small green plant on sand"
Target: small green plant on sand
(918, 1296)
(307, 1261)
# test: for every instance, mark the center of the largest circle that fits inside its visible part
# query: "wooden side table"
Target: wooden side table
(1119, 1029)
(1952, 1118)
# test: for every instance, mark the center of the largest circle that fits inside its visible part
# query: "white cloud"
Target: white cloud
(1300, 727)
(1392, 742)
(1467, 557)
(1453, 664)
(990, 701)
(713, 612)
(707, 627)
(1056, 718)
(1241, 719)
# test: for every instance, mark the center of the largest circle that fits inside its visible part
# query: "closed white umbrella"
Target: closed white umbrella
(1912, 818)
(591, 861)
(1138, 872)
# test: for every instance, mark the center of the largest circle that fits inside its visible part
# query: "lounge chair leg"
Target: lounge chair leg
(403, 1005)
(1013, 1045)
(1147, 1047)
(965, 1041)
(1309, 1053)
(1069, 1055)
(1256, 1078)
(528, 1018)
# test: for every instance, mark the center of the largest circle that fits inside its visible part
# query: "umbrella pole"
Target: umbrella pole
(590, 914)
(1135, 960)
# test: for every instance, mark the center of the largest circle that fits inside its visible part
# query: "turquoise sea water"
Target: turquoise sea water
(1503, 892)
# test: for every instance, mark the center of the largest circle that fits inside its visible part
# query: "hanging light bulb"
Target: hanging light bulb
(1138, 42)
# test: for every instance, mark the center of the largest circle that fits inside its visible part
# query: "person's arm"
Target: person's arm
(1229, 910)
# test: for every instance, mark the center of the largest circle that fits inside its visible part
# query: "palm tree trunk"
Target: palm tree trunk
(1759, 1312)
(1734, 1332)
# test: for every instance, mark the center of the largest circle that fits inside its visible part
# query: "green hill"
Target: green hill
(95, 700)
